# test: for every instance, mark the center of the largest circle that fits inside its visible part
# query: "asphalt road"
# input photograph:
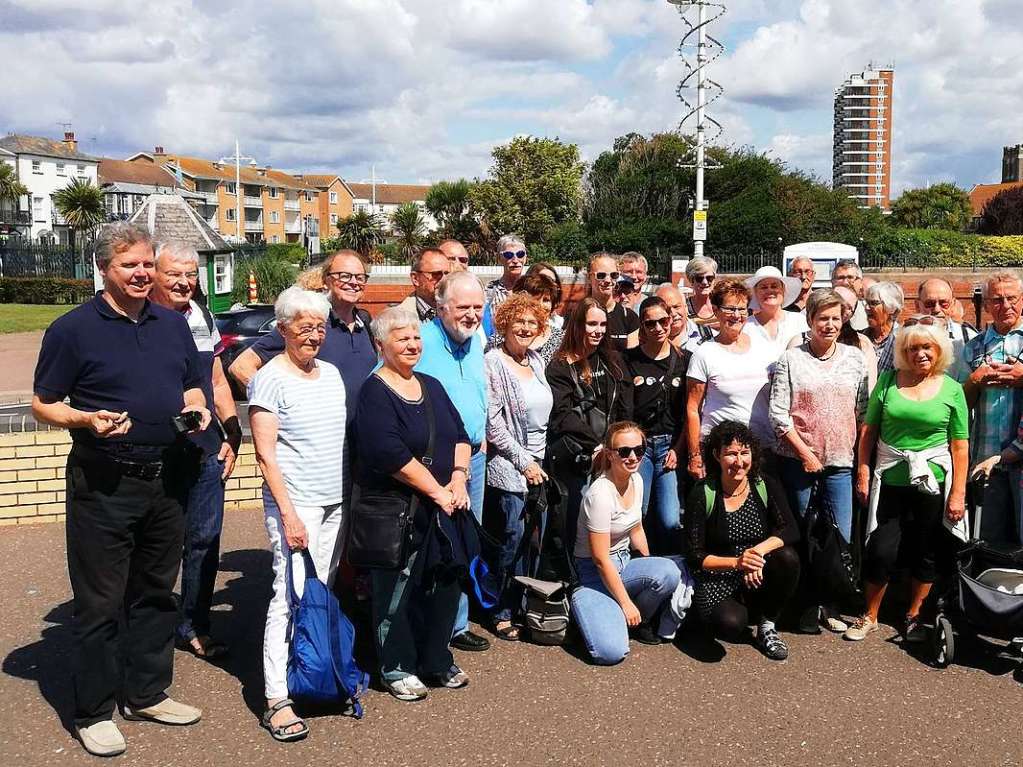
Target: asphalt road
(697, 703)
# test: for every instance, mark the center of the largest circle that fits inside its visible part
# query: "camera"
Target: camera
(186, 422)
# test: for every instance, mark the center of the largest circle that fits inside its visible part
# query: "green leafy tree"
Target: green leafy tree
(81, 205)
(940, 206)
(533, 185)
(448, 202)
(360, 232)
(11, 189)
(408, 226)
(1003, 213)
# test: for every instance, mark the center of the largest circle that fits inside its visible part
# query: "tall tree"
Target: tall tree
(940, 206)
(360, 232)
(81, 205)
(1003, 213)
(408, 225)
(448, 202)
(533, 185)
(11, 189)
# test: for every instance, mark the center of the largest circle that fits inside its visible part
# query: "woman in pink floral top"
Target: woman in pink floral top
(818, 397)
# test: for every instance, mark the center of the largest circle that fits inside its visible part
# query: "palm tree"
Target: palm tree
(11, 189)
(81, 205)
(360, 232)
(408, 225)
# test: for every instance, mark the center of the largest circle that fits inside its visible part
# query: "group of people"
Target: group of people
(688, 428)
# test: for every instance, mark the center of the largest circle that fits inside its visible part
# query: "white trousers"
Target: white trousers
(323, 526)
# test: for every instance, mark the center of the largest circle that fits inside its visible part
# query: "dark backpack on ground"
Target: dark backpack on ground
(321, 666)
(830, 568)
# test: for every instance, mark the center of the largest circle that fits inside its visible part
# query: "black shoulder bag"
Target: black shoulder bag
(380, 521)
(567, 450)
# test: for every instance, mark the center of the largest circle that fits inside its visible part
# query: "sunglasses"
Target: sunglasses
(436, 275)
(508, 255)
(663, 322)
(707, 278)
(601, 276)
(932, 302)
(459, 259)
(626, 450)
(924, 319)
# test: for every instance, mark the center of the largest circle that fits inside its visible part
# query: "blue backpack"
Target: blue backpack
(321, 666)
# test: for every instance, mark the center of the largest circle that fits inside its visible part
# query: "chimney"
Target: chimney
(69, 141)
(158, 150)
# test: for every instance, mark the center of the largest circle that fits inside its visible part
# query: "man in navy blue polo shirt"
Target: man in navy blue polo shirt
(129, 369)
(347, 345)
(177, 276)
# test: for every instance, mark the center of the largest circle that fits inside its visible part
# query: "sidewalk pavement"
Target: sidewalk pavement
(18, 352)
(698, 703)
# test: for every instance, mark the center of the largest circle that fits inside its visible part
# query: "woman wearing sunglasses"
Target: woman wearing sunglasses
(618, 590)
(511, 251)
(658, 371)
(622, 323)
(701, 272)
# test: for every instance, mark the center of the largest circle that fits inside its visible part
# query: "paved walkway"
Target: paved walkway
(832, 703)
(18, 352)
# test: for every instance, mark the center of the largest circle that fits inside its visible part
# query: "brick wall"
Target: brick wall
(32, 478)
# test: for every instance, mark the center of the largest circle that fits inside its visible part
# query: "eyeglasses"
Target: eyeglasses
(661, 322)
(1004, 300)
(626, 450)
(601, 276)
(924, 319)
(437, 274)
(508, 255)
(359, 279)
(736, 310)
(459, 259)
(944, 303)
(311, 330)
(705, 278)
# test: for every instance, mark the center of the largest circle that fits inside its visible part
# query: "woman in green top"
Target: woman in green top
(917, 421)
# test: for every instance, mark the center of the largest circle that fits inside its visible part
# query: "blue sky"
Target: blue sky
(423, 89)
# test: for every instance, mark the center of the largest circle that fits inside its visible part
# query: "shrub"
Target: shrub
(273, 274)
(292, 252)
(923, 248)
(44, 290)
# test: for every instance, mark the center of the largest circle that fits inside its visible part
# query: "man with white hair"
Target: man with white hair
(177, 276)
(679, 332)
(512, 251)
(453, 354)
(847, 273)
(634, 266)
(802, 269)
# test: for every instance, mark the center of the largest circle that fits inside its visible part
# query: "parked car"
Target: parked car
(239, 329)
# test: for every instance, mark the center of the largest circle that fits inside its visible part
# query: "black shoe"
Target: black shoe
(469, 642)
(771, 645)
(809, 620)
(645, 634)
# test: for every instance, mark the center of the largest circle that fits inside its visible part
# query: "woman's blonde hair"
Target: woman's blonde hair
(603, 460)
(907, 335)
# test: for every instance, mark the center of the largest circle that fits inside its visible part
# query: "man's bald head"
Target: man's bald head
(676, 305)
(934, 296)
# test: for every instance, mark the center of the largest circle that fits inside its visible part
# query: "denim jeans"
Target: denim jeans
(503, 517)
(650, 583)
(835, 490)
(410, 626)
(477, 484)
(204, 520)
(660, 495)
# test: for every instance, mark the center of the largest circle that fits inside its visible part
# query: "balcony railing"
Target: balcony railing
(293, 227)
(210, 198)
(58, 220)
(9, 216)
(253, 202)
(254, 226)
(291, 204)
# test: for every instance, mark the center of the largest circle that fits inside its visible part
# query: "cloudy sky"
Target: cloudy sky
(423, 89)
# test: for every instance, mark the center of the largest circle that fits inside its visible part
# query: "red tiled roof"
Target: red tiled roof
(981, 194)
(391, 194)
(113, 171)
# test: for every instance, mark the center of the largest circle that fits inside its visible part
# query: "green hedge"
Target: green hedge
(923, 248)
(44, 290)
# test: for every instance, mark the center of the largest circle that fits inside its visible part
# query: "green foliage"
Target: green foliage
(566, 243)
(927, 248)
(44, 290)
(360, 232)
(1003, 214)
(391, 253)
(292, 252)
(273, 274)
(330, 244)
(448, 202)
(11, 189)
(534, 185)
(408, 227)
(81, 205)
(940, 206)
(25, 318)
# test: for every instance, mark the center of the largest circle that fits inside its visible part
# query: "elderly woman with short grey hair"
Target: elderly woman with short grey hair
(884, 302)
(297, 413)
(511, 252)
(701, 271)
(398, 409)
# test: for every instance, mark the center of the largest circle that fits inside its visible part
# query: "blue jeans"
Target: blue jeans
(204, 519)
(477, 484)
(660, 494)
(503, 511)
(410, 625)
(649, 581)
(835, 490)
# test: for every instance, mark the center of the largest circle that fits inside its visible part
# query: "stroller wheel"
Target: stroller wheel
(944, 642)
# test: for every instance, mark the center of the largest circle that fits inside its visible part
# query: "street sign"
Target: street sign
(700, 225)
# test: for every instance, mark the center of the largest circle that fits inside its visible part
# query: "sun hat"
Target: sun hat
(793, 285)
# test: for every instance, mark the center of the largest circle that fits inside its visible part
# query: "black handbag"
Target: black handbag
(566, 451)
(381, 521)
(829, 557)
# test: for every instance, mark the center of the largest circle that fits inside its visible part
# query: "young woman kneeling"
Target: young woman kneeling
(621, 586)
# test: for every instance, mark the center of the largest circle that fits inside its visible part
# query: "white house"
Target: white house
(45, 166)
(384, 199)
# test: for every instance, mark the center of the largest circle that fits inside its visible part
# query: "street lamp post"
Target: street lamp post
(237, 159)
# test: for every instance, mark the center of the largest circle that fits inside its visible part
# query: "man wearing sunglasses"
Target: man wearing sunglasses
(622, 323)
(458, 256)
(428, 269)
(511, 250)
(935, 298)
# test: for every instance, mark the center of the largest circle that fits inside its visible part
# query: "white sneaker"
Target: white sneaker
(861, 628)
(102, 739)
(167, 711)
(407, 689)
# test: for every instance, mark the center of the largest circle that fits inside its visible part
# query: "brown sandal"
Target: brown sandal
(509, 633)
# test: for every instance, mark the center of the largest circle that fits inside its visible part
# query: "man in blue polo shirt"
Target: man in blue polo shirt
(131, 372)
(453, 354)
(177, 276)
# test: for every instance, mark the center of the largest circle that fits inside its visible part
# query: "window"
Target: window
(231, 188)
(222, 276)
(275, 217)
(333, 218)
(274, 239)
(273, 192)
(37, 167)
(60, 168)
(308, 196)
(231, 214)
(333, 198)
(37, 208)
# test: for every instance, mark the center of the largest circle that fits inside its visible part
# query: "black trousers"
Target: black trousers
(909, 531)
(124, 538)
(731, 616)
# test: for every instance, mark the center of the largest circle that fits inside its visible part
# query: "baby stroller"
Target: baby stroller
(986, 595)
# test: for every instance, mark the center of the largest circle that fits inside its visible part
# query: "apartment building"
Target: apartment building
(127, 185)
(335, 200)
(269, 205)
(863, 137)
(44, 166)
(384, 199)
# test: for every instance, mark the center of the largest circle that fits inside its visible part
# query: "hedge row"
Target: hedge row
(44, 290)
(923, 248)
